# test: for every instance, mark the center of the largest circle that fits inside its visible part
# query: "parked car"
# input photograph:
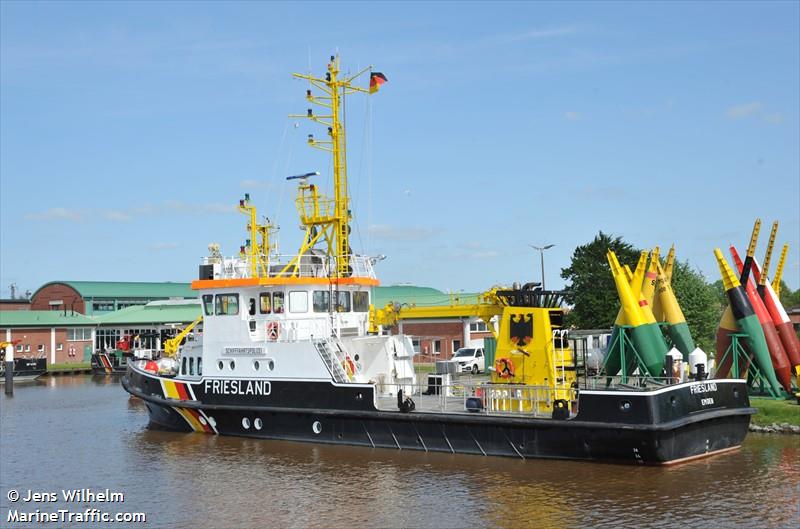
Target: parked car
(470, 360)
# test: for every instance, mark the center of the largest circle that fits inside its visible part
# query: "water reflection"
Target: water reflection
(95, 435)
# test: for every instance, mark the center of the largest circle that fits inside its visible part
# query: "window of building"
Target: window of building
(27, 348)
(20, 348)
(59, 347)
(298, 301)
(265, 303)
(106, 339)
(415, 344)
(479, 326)
(456, 345)
(342, 301)
(277, 302)
(437, 347)
(208, 304)
(40, 349)
(129, 303)
(361, 301)
(321, 301)
(103, 306)
(78, 334)
(227, 304)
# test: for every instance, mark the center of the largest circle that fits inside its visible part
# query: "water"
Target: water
(76, 432)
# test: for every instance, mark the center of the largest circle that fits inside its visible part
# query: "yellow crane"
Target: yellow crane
(532, 353)
(171, 345)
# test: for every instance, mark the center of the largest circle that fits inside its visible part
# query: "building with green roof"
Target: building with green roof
(102, 297)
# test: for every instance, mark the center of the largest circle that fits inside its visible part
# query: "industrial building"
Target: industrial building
(101, 297)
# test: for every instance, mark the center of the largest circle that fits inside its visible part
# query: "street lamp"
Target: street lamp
(541, 254)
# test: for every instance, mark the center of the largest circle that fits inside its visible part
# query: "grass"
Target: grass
(775, 411)
(68, 367)
(423, 369)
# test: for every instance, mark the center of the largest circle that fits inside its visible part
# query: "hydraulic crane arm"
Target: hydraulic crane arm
(171, 345)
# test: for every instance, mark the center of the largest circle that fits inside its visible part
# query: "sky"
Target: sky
(129, 131)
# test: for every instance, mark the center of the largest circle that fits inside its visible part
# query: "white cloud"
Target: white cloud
(56, 214)
(744, 110)
(397, 233)
(538, 34)
(775, 118)
(116, 215)
(572, 116)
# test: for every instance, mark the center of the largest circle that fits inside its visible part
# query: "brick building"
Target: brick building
(61, 338)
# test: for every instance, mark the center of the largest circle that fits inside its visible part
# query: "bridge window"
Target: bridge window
(277, 302)
(199, 366)
(298, 301)
(360, 301)
(183, 366)
(251, 307)
(342, 301)
(227, 304)
(265, 303)
(322, 301)
(191, 365)
(208, 304)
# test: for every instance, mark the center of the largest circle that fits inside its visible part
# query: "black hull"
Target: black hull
(26, 369)
(679, 439)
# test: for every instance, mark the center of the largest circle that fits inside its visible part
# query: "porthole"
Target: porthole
(202, 420)
(256, 365)
(316, 427)
(625, 406)
(246, 423)
(359, 396)
(212, 421)
(736, 393)
(258, 423)
(232, 364)
(673, 401)
(270, 365)
(220, 365)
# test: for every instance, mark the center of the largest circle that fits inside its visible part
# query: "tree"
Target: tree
(789, 298)
(700, 303)
(590, 285)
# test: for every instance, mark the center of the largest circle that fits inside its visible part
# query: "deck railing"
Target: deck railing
(480, 397)
(632, 382)
(240, 267)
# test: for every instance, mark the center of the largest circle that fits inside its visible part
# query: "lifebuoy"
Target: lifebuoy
(273, 331)
(504, 367)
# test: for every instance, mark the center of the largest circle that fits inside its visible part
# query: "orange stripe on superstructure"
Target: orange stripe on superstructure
(201, 284)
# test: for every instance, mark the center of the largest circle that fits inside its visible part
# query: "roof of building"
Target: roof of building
(126, 289)
(155, 312)
(43, 318)
(419, 296)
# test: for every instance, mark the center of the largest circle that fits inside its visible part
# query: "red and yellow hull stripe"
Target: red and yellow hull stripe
(197, 420)
(106, 363)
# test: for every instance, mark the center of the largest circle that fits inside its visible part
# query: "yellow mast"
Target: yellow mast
(776, 281)
(257, 252)
(323, 218)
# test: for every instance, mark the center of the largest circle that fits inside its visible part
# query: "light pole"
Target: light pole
(541, 255)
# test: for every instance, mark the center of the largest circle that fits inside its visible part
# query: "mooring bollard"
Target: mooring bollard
(9, 369)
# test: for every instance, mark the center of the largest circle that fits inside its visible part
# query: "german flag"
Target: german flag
(376, 79)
